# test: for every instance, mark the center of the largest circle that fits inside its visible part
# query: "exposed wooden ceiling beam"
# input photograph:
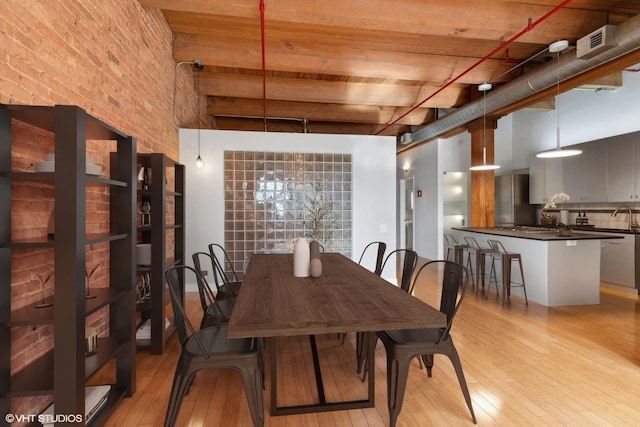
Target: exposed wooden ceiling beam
(347, 59)
(332, 92)
(225, 106)
(406, 16)
(232, 123)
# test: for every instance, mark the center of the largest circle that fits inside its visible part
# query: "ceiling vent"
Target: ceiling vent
(597, 42)
(405, 138)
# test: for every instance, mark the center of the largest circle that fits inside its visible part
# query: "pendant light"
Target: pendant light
(484, 87)
(557, 47)
(198, 67)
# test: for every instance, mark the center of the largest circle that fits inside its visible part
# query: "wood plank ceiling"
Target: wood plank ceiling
(356, 66)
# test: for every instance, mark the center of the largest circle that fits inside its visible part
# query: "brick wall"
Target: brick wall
(113, 58)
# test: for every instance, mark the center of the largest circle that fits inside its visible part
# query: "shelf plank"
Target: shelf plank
(113, 398)
(50, 176)
(45, 242)
(31, 315)
(37, 378)
(32, 242)
(108, 347)
(43, 117)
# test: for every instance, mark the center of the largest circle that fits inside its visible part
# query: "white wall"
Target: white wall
(374, 180)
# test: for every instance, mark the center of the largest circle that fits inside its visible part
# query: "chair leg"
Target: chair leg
(252, 378)
(455, 360)
(397, 374)
(182, 379)
(506, 278)
(469, 266)
(493, 273)
(427, 359)
(524, 287)
(370, 340)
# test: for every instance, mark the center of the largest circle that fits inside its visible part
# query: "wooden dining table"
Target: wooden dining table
(347, 297)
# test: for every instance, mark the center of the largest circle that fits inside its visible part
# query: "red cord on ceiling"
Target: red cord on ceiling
(528, 28)
(264, 68)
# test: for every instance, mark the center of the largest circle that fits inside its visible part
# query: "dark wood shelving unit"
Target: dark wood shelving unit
(63, 370)
(159, 196)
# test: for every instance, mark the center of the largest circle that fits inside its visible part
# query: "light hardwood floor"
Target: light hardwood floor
(525, 365)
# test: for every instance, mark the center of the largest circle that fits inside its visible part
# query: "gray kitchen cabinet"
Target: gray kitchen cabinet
(573, 176)
(595, 171)
(584, 176)
(545, 179)
(617, 261)
(620, 166)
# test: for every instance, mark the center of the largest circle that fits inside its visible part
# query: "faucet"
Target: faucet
(632, 223)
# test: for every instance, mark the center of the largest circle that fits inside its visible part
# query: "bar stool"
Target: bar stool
(480, 254)
(501, 254)
(457, 248)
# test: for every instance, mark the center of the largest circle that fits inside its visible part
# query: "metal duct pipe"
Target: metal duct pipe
(627, 37)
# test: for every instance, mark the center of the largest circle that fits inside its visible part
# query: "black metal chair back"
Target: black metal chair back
(409, 263)
(382, 247)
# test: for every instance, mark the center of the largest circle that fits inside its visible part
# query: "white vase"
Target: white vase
(564, 216)
(301, 258)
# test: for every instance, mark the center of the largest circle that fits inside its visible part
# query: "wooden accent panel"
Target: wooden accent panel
(482, 194)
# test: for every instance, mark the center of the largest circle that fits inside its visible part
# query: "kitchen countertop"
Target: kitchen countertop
(604, 230)
(539, 233)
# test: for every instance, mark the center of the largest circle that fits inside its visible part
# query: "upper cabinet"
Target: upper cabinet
(621, 166)
(545, 179)
(608, 170)
(584, 176)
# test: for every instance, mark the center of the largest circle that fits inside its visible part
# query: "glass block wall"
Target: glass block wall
(273, 198)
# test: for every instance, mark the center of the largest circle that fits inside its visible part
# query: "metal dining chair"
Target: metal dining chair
(409, 262)
(381, 248)
(210, 348)
(403, 345)
(213, 308)
(226, 275)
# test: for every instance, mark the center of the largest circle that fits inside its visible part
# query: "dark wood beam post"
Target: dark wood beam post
(482, 194)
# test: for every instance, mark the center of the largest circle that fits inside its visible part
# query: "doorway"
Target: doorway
(454, 197)
(406, 213)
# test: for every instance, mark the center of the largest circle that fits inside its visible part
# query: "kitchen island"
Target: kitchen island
(558, 270)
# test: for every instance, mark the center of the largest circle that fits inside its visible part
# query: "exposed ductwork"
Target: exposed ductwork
(627, 39)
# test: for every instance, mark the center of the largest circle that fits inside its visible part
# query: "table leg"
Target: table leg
(323, 405)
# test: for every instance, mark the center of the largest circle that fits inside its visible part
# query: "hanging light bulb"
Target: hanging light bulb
(484, 87)
(557, 47)
(198, 67)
